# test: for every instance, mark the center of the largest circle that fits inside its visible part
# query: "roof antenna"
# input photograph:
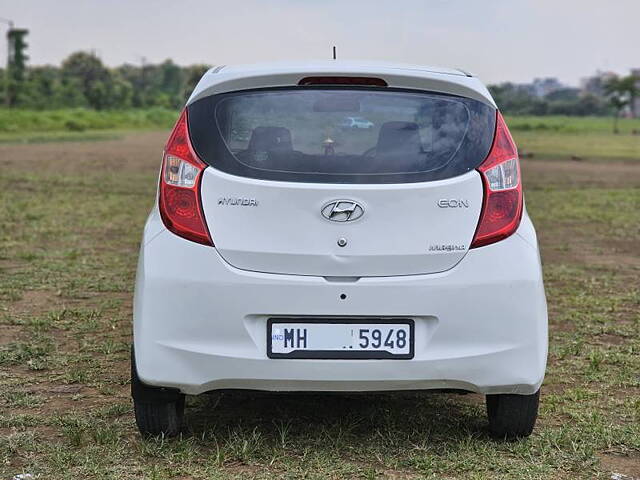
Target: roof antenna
(334, 52)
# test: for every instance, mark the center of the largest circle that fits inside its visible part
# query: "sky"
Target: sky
(498, 40)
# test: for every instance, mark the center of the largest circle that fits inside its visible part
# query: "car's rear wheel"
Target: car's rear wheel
(512, 416)
(164, 418)
(158, 411)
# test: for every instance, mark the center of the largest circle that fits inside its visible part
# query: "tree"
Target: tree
(42, 88)
(567, 94)
(93, 76)
(84, 81)
(629, 85)
(154, 85)
(69, 94)
(620, 92)
(518, 100)
(579, 106)
(133, 75)
(193, 75)
(171, 80)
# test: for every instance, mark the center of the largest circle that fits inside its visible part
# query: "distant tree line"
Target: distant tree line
(515, 100)
(84, 81)
(613, 95)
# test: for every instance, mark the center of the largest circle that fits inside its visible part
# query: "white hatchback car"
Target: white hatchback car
(302, 256)
(356, 122)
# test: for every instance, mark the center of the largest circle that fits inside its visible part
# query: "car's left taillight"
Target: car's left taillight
(503, 201)
(179, 193)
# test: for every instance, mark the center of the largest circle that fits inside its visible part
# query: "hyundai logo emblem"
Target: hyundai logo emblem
(342, 211)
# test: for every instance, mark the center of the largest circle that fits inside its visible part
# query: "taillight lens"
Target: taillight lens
(179, 202)
(502, 206)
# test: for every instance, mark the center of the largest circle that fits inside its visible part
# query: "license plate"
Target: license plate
(340, 338)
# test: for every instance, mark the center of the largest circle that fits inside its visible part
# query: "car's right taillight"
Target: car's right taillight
(502, 206)
(179, 193)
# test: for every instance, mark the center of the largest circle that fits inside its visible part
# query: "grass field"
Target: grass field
(583, 138)
(32, 126)
(70, 222)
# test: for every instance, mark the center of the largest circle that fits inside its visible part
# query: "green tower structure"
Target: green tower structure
(16, 64)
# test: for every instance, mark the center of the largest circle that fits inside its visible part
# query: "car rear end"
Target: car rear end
(287, 253)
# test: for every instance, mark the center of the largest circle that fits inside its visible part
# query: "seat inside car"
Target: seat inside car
(399, 138)
(270, 139)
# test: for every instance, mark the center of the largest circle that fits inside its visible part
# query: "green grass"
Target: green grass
(587, 138)
(68, 250)
(19, 122)
(616, 213)
(579, 146)
(564, 124)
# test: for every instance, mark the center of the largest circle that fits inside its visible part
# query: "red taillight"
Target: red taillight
(502, 206)
(179, 202)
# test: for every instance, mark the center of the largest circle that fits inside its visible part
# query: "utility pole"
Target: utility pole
(16, 61)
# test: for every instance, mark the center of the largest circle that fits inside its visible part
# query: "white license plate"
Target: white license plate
(331, 339)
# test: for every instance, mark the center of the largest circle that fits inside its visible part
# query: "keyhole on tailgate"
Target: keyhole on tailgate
(343, 296)
(342, 242)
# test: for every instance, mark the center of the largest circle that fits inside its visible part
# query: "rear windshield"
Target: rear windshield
(341, 135)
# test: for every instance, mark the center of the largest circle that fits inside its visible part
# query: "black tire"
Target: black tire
(158, 411)
(162, 418)
(512, 416)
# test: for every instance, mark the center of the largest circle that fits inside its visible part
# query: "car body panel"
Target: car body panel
(278, 227)
(200, 324)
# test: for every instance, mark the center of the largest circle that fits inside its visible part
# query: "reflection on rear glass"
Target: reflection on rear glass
(343, 135)
(308, 131)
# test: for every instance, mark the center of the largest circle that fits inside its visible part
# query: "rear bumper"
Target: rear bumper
(200, 324)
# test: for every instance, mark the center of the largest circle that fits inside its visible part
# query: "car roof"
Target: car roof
(345, 65)
(228, 78)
